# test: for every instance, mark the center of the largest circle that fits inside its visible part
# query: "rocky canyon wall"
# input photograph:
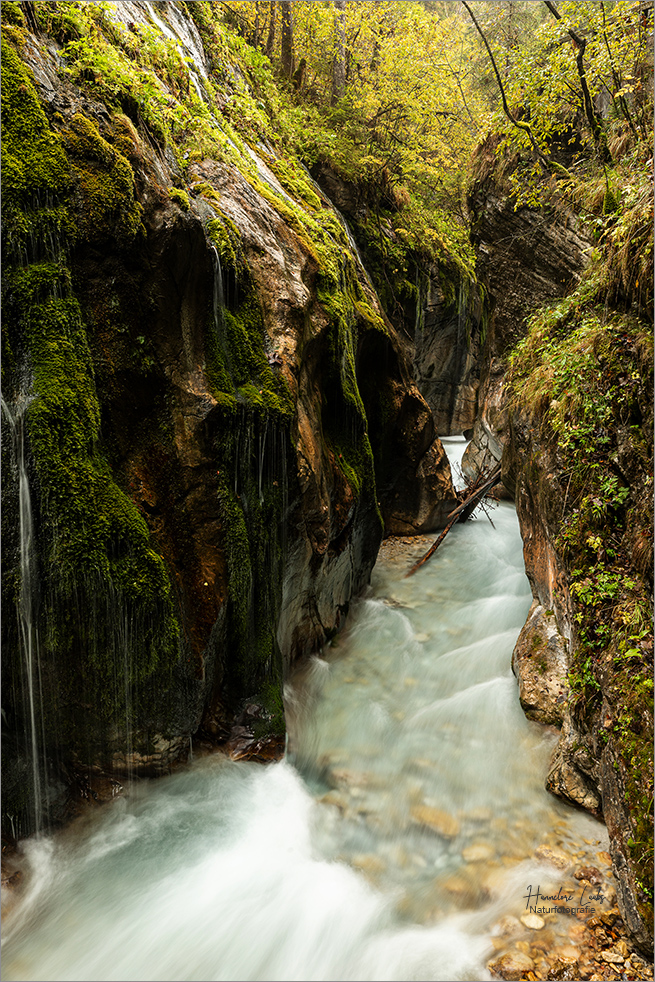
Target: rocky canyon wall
(211, 421)
(566, 403)
(436, 306)
(525, 257)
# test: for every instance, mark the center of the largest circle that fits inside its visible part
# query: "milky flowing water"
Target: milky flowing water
(398, 831)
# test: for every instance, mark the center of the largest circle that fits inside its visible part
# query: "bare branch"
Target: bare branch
(545, 161)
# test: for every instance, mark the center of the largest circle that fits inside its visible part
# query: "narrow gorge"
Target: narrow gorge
(252, 358)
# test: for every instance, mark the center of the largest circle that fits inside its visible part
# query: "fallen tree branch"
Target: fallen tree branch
(460, 514)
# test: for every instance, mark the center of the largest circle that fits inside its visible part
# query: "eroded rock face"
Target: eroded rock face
(524, 258)
(446, 340)
(527, 258)
(438, 323)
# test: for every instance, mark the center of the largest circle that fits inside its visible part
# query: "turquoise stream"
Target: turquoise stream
(387, 845)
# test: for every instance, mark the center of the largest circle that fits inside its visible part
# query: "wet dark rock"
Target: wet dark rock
(445, 334)
(589, 873)
(439, 324)
(513, 965)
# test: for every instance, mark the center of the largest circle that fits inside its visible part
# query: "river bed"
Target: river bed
(399, 839)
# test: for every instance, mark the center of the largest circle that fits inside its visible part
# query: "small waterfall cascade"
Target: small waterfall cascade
(28, 631)
(219, 306)
(219, 293)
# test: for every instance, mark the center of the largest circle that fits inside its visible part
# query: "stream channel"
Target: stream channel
(396, 840)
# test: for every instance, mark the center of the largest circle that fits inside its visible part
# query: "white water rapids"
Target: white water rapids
(387, 845)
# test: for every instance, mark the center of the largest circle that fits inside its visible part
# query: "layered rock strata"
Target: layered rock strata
(525, 257)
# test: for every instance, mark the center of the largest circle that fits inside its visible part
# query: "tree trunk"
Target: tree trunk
(597, 131)
(287, 39)
(270, 40)
(339, 62)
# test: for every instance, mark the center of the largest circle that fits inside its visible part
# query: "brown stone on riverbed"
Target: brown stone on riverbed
(513, 966)
(533, 922)
(369, 863)
(439, 821)
(612, 957)
(589, 873)
(553, 856)
(508, 925)
(478, 852)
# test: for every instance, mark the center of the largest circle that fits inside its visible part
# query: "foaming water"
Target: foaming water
(400, 828)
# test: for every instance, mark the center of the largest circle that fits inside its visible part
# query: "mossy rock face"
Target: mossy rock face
(109, 642)
(200, 468)
(581, 453)
(180, 198)
(104, 185)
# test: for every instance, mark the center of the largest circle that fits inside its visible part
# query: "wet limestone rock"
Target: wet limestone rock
(540, 662)
(436, 308)
(446, 336)
(513, 965)
(232, 390)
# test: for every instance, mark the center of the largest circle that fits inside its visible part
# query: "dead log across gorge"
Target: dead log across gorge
(477, 492)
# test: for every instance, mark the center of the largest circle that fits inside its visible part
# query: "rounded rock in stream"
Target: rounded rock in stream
(441, 822)
(553, 857)
(513, 966)
(533, 922)
(508, 926)
(478, 852)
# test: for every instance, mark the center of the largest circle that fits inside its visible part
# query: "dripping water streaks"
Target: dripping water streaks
(28, 630)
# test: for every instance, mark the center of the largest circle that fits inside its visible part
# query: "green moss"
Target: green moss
(33, 160)
(237, 365)
(207, 191)
(180, 197)
(224, 235)
(106, 207)
(64, 21)
(109, 636)
(252, 519)
(124, 136)
(12, 14)
(583, 378)
(610, 204)
(293, 180)
(271, 696)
